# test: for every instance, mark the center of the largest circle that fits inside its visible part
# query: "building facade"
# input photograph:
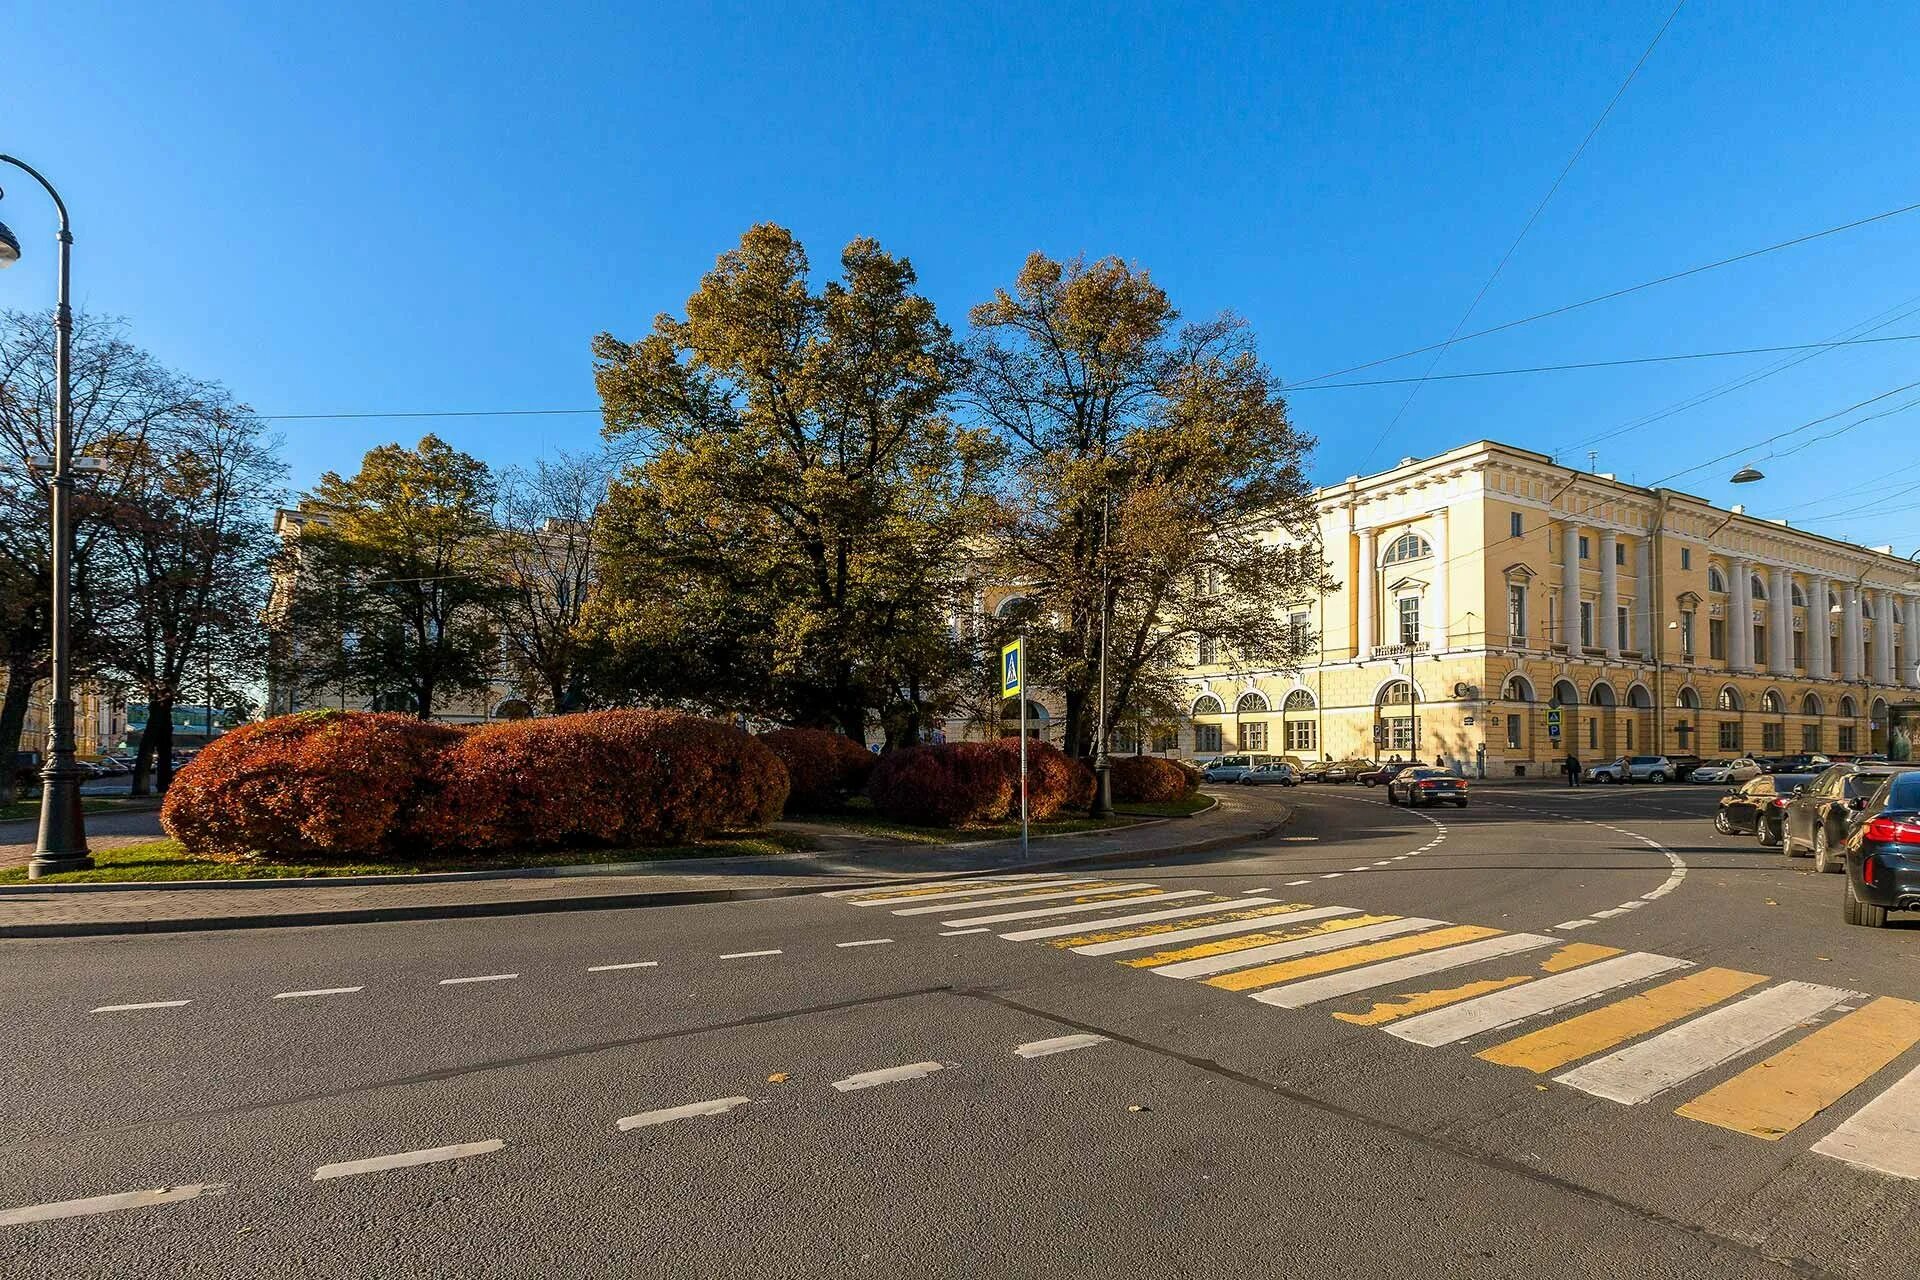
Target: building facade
(1499, 610)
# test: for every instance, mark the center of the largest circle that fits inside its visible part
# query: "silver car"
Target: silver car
(1277, 774)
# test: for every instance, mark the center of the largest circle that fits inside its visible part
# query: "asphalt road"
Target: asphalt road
(1036, 1110)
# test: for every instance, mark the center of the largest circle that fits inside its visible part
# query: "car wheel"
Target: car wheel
(1862, 913)
(1461, 803)
(1766, 833)
(1722, 823)
(1824, 858)
(1657, 776)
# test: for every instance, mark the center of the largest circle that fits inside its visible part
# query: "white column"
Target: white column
(1363, 588)
(1570, 588)
(1851, 655)
(1609, 593)
(1438, 604)
(1910, 651)
(1643, 637)
(1819, 638)
(1780, 629)
(1740, 615)
(1883, 637)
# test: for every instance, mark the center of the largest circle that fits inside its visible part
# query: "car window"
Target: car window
(1759, 786)
(1905, 791)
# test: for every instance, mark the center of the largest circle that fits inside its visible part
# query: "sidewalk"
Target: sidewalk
(42, 911)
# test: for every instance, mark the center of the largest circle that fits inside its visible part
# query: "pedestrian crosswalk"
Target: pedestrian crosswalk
(1629, 1027)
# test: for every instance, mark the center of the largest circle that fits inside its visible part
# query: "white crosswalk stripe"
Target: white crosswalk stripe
(1297, 995)
(1276, 920)
(1077, 908)
(1024, 897)
(1114, 922)
(1504, 1008)
(962, 889)
(1208, 965)
(1884, 1135)
(1641, 1071)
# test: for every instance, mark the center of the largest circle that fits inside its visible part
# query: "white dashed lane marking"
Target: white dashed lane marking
(713, 1107)
(108, 1204)
(1059, 1044)
(482, 977)
(886, 1075)
(749, 955)
(318, 991)
(961, 933)
(864, 942)
(406, 1159)
(630, 964)
(149, 1004)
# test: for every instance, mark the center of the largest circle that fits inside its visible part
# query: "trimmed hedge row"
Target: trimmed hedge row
(971, 783)
(825, 768)
(1151, 779)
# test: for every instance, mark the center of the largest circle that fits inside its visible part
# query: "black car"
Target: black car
(1759, 806)
(1820, 813)
(1805, 762)
(1423, 785)
(1883, 853)
(1684, 765)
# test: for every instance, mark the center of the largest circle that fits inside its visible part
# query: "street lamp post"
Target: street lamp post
(63, 832)
(1102, 767)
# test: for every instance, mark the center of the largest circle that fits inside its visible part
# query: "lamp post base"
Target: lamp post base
(45, 865)
(63, 832)
(1102, 789)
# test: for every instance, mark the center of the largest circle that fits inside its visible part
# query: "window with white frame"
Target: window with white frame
(1729, 735)
(1514, 526)
(1408, 546)
(1585, 548)
(1253, 735)
(1209, 652)
(1303, 735)
(1409, 619)
(1586, 623)
(1206, 738)
(1516, 610)
(1513, 732)
(1622, 629)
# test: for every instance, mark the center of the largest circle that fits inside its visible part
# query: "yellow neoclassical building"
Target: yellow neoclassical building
(1502, 610)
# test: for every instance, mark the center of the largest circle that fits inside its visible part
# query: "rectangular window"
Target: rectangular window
(1593, 734)
(1729, 735)
(1513, 524)
(1717, 639)
(1760, 649)
(1400, 733)
(1619, 553)
(1846, 737)
(1622, 628)
(1513, 733)
(1516, 611)
(1302, 735)
(1209, 653)
(1126, 740)
(1166, 739)
(1206, 739)
(1800, 649)
(1773, 737)
(1253, 736)
(1585, 549)
(1686, 636)
(1586, 623)
(1297, 626)
(1810, 738)
(1409, 619)
(1629, 735)
(1686, 557)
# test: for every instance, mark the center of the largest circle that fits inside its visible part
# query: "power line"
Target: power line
(1531, 219)
(1749, 448)
(424, 413)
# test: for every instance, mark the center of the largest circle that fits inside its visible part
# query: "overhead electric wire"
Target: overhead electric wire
(1748, 449)
(1531, 219)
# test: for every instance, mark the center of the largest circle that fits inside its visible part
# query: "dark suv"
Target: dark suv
(1883, 853)
(1820, 813)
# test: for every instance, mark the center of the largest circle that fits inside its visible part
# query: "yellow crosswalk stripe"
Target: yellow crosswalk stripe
(1268, 975)
(1571, 956)
(1779, 1095)
(1185, 922)
(1247, 941)
(1589, 1033)
(901, 895)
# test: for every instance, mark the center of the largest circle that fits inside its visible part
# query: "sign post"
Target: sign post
(1013, 681)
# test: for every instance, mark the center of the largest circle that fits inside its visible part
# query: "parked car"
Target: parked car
(1805, 762)
(1315, 770)
(1882, 853)
(1737, 769)
(1230, 768)
(26, 770)
(1382, 774)
(1275, 773)
(1348, 770)
(1819, 815)
(1759, 806)
(1423, 784)
(115, 766)
(1632, 769)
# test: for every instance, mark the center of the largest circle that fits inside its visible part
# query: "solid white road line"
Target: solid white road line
(150, 1004)
(1298, 995)
(1275, 920)
(1884, 1135)
(406, 1159)
(748, 955)
(973, 889)
(485, 977)
(108, 1204)
(1060, 1044)
(1051, 895)
(1114, 922)
(1335, 941)
(1504, 1008)
(714, 1107)
(961, 933)
(1640, 1071)
(886, 1075)
(631, 964)
(318, 991)
(1078, 908)
(864, 942)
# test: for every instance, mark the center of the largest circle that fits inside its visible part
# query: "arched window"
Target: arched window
(1758, 585)
(1298, 700)
(1772, 703)
(1207, 705)
(1866, 605)
(514, 709)
(1564, 694)
(1009, 606)
(1517, 689)
(1811, 705)
(1729, 699)
(1848, 707)
(1394, 692)
(1716, 581)
(1637, 696)
(1880, 710)
(1798, 594)
(1601, 695)
(1833, 602)
(1408, 546)
(1251, 701)
(1688, 698)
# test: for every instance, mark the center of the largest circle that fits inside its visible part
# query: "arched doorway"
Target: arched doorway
(1396, 720)
(1517, 719)
(1638, 720)
(1686, 725)
(1603, 726)
(1566, 697)
(1879, 727)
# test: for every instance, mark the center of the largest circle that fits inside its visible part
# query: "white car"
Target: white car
(1724, 771)
(1632, 769)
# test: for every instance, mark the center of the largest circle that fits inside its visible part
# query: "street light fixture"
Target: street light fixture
(1746, 475)
(63, 832)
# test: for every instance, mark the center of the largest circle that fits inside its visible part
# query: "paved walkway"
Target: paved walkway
(104, 831)
(68, 910)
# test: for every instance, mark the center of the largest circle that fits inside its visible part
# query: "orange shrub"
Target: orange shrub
(1055, 780)
(1151, 779)
(951, 785)
(824, 768)
(319, 783)
(601, 777)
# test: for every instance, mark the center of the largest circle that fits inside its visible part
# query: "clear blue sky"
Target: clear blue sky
(358, 207)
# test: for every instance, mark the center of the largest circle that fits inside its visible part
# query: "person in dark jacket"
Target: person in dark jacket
(1572, 767)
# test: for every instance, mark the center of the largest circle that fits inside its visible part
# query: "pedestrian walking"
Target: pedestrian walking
(1572, 767)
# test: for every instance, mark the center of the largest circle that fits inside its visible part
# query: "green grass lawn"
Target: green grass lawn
(166, 860)
(14, 810)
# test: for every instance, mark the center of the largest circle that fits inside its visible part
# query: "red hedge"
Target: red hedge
(1151, 779)
(328, 783)
(1055, 780)
(601, 777)
(973, 783)
(825, 768)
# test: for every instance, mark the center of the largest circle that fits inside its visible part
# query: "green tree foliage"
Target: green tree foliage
(394, 583)
(1159, 452)
(792, 537)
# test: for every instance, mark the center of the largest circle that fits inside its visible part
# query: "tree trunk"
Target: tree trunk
(13, 722)
(160, 731)
(852, 718)
(1077, 728)
(143, 761)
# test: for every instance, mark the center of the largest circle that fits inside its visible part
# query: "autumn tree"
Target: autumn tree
(395, 587)
(547, 556)
(791, 540)
(1156, 451)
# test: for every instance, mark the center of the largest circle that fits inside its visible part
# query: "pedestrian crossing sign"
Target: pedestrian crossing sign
(1012, 661)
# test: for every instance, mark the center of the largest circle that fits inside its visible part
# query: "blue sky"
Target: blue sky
(352, 208)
